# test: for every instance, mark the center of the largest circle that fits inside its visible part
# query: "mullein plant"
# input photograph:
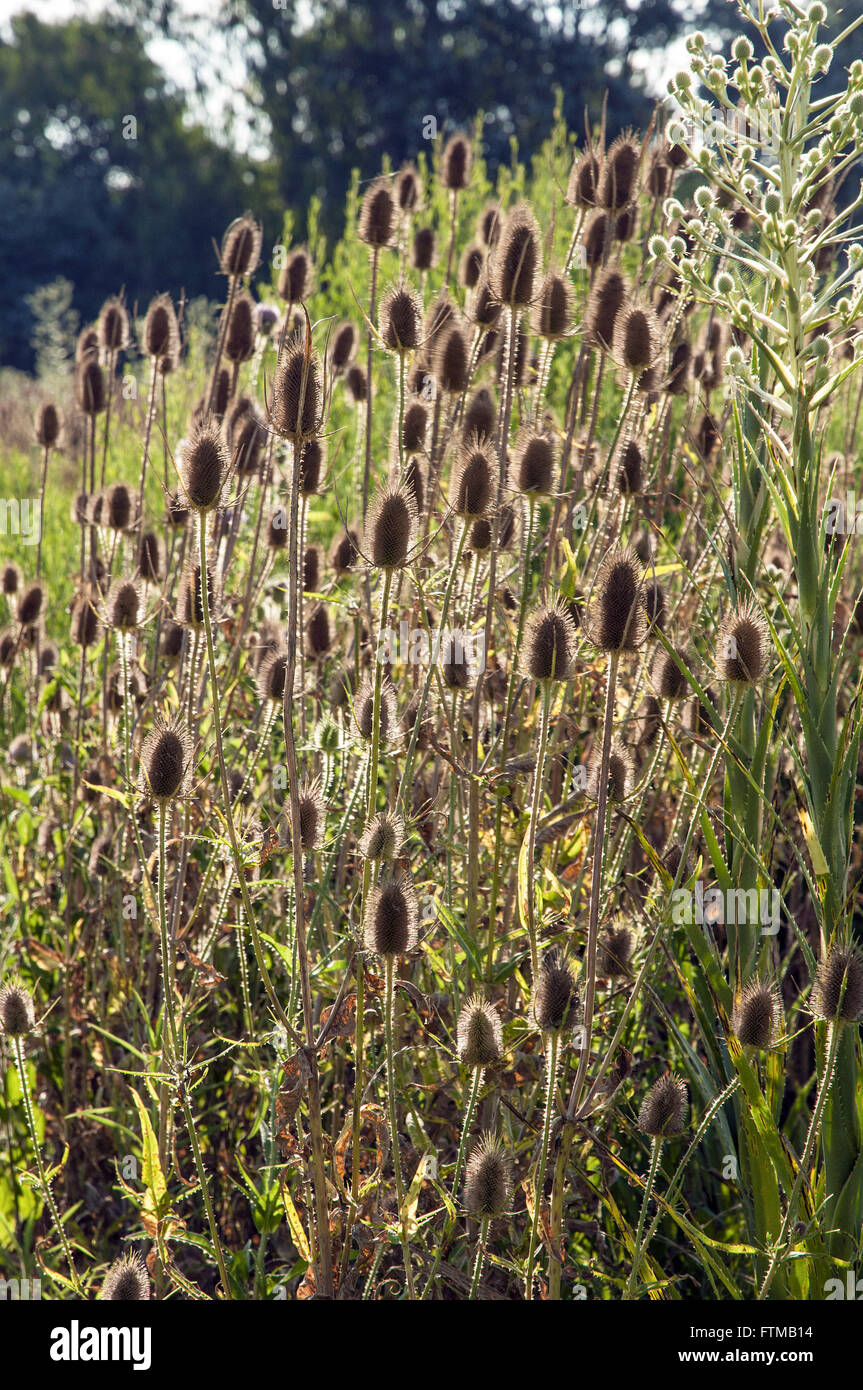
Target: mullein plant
(790, 288)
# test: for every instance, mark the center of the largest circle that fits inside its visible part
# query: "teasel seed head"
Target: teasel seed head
(625, 224)
(636, 342)
(549, 644)
(355, 379)
(400, 319)
(318, 636)
(8, 648)
(505, 526)
(658, 178)
(480, 416)
(838, 992)
(667, 678)
(345, 553)
(84, 627)
(17, 1014)
(484, 309)
(190, 597)
(630, 469)
(383, 838)
(277, 529)
(741, 647)
(456, 163)
(127, 1280)
(619, 773)
(343, 346)
(364, 710)
(124, 605)
(47, 425)
(415, 427)
(204, 467)
(408, 188)
(473, 480)
(176, 511)
(241, 247)
(11, 579)
(555, 997)
(296, 276)
(311, 569)
(532, 470)
(488, 224)
(618, 184)
(584, 176)
(664, 1108)
(480, 535)
(31, 604)
(487, 1179)
(478, 1033)
(296, 392)
(240, 337)
(653, 603)
(161, 336)
(516, 262)
(603, 307)
(150, 558)
(271, 676)
(90, 393)
(678, 369)
(648, 722)
(756, 1015)
(377, 220)
(391, 528)
(312, 458)
(456, 666)
(423, 249)
(171, 644)
(165, 759)
(118, 507)
(615, 952)
(551, 317)
(313, 813)
(471, 266)
(615, 618)
(450, 359)
(390, 925)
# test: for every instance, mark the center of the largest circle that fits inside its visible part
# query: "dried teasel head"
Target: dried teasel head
(456, 662)
(400, 318)
(838, 992)
(204, 467)
(456, 163)
(312, 808)
(636, 337)
(473, 484)
(423, 249)
(383, 838)
(295, 401)
(478, 1033)
(620, 773)
(603, 306)
(343, 346)
(551, 316)
(127, 1280)
(364, 710)
(415, 427)
(17, 1014)
(614, 952)
(471, 265)
(615, 620)
(584, 176)
(113, 326)
(549, 644)
(480, 416)
(124, 605)
(408, 189)
(451, 358)
(31, 604)
(663, 1110)
(239, 345)
(47, 425)
(165, 760)
(391, 528)
(742, 646)
(532, 469)
(618, 184)
(487, 1179)
(377, 221)
(271, 676)
(190, 596)
(757, 1013)
(390, 924)
(630, 468)
(241, 247)
(90, 394)
(666, 676)
(296, 277)
(161, 336)
(555, 998)
(515, 265)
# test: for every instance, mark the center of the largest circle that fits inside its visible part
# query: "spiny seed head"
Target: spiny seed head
(312, 458)
(596, 235)
(480, 415)
(603, 306)
(17, 1015)
(635, 337)
(150, 558)
(618, 184)
(663, 1110)
(85, 621)
(172, 641)
(176, 511)
(584, 176)
(30, 604)
(666, 677)
(190, 597)
(343, 346)
(165, 758)
(441, 314)
(488, 224)
(555, 997)
(271, 676)
(487, 1179)
(630, 468)
(118, 507)
(423, 249)
(113, 326)
(377, 222)
(615, 952)
(619, 773)
(345, 553)
(296, 392)
(364, 710)
(204, 466)
(124, 605)
(658, 175)
(249, 437)
(296, 276)
(11, 579)
(471, 265)
(479, 1034)
(741, 648)
(241, 247)
(47, 425)
(648, 722)
(653, 602)
(756, 1015)
(341, 688)
(456, 666)
(90, 386)
(383, 838)
(533, 469)
(240, 337)
(312, 817)
(415, 427)
(615, 618)
(480, 535)
(451, 359)
(678, 369)
(390, 924)
(516, 263)
(8, 648)
(318, 636)
(87, 344)
(473, 485)
(549, 644)
(401, 316)
(357, 384)
(551, 316)
(311, 569)
(838, 992)
(390, 528)
(408, 188)
(127, 1280)
(161, 336)
(484, 309)
(456, 163)
(505, 526)
(414, 483)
